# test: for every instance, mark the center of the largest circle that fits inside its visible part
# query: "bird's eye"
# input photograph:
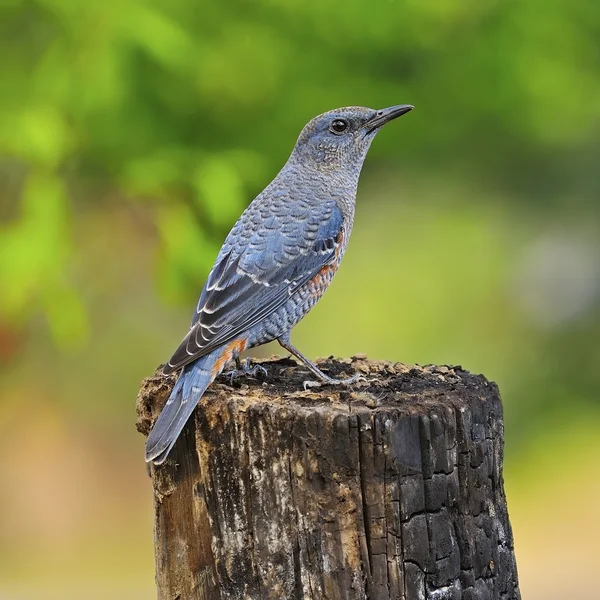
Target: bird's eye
(339, 126)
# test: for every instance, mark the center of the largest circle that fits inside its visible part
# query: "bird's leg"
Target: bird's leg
(248, 368)
(244, 368)
(285, 342)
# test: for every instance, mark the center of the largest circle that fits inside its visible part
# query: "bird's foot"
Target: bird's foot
(326, 380)
(245, 368)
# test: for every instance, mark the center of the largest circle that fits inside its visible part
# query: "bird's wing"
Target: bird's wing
(265, 259)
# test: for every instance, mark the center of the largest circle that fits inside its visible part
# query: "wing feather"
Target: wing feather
(256, 272)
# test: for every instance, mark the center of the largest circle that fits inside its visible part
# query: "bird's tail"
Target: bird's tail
(188, 390)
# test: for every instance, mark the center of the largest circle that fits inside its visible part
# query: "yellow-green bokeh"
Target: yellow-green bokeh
(132, 135)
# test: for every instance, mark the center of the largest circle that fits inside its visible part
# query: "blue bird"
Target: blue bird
(276, 262)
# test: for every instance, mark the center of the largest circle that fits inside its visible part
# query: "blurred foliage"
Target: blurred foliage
(193, 106)
(132, 135)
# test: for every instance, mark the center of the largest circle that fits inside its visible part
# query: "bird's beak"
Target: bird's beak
(385, 115)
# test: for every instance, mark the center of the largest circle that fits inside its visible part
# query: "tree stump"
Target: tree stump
(387, 490)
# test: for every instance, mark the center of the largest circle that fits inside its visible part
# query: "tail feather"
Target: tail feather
(188, 390)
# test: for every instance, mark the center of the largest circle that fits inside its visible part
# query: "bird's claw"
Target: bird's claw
(354, 379)
(245, 368)
(256, 369)
(332, 381)
(311, 384)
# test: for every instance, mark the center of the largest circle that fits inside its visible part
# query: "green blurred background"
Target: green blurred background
(132, 136)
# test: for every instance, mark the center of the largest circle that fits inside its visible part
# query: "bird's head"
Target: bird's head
(340, 139)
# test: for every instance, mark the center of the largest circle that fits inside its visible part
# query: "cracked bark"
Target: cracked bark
(389, 490)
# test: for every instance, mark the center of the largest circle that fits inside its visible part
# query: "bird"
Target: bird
(275, 263)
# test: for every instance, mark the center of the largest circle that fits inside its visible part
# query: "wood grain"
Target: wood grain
(388, 490)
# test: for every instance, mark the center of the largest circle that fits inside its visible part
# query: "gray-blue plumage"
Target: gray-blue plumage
(276, 262)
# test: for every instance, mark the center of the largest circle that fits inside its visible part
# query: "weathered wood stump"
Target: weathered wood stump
(391, 489)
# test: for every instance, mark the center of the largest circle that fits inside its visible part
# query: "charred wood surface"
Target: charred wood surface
(387, 490)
